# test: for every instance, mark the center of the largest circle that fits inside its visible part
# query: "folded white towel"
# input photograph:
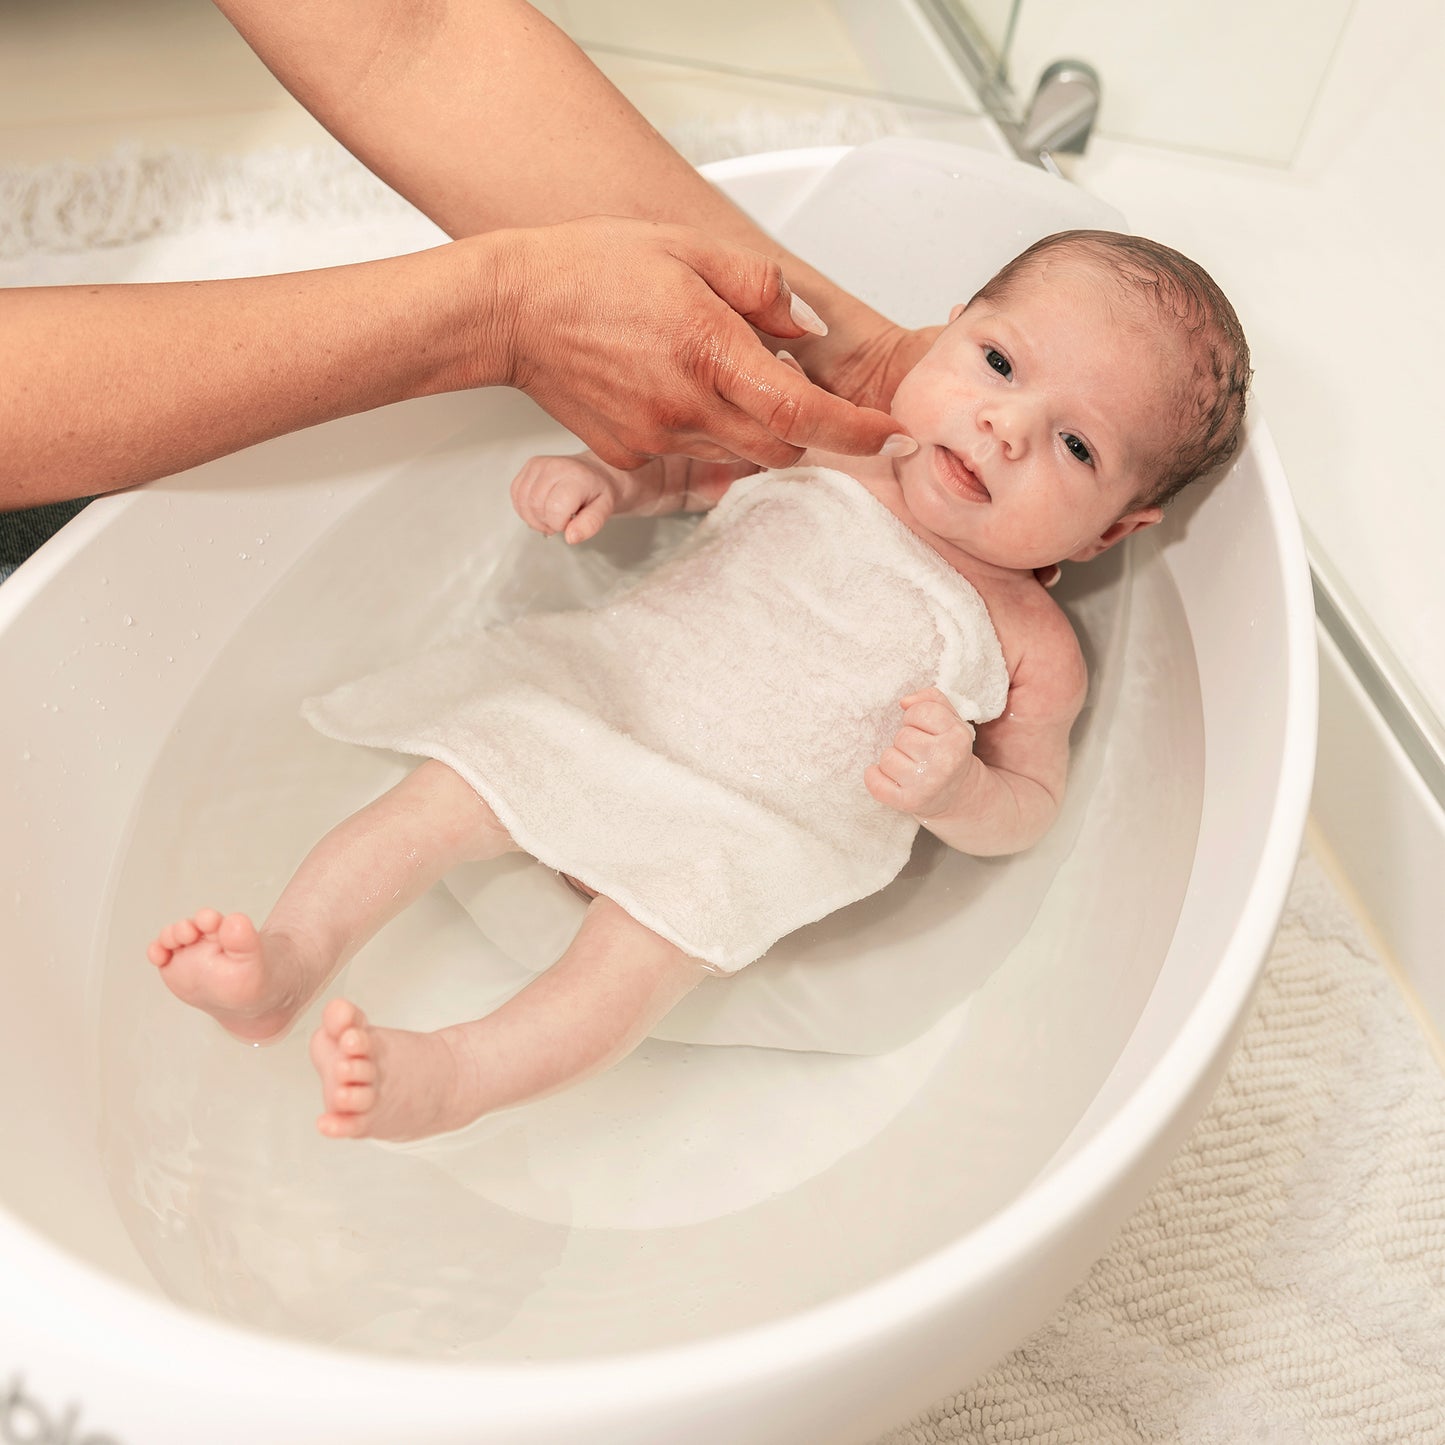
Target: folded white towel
(694, 748)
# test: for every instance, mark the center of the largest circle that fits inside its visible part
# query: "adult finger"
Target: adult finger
(752, 284)
(750, 442)
(792, 409)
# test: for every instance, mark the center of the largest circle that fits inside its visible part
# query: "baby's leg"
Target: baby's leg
(364, 872)
(590, 1009)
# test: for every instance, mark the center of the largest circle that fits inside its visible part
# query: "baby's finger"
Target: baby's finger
(882, 788)
(902, 769)
(561, 504)
(589, 521)
(924, 694)
(934, 718)
(916, 744)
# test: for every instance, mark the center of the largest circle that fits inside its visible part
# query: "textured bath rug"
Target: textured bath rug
(1284, 1283)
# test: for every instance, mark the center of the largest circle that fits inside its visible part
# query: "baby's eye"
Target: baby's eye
(1078, 449)
(998, 361)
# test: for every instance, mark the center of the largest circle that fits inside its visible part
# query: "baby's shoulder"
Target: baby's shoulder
(1040, 647)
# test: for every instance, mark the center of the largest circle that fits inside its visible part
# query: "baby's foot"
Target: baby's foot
(224, 967)
(386, 1083)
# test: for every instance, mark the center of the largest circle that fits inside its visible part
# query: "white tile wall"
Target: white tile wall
(1235, 77)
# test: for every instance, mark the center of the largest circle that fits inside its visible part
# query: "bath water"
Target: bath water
(625, 1212)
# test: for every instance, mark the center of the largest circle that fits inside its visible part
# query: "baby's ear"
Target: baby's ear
(1117, 531)
(957, 312)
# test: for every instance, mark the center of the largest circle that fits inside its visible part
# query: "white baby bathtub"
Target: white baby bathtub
(844, 1290)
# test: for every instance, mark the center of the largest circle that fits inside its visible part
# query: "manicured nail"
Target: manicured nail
(803, 315)
(786, 356)
(898, 445)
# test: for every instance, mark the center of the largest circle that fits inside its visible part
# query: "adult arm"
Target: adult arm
(108, 386)
(483, 114)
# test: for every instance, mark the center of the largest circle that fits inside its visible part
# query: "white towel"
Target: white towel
(694, 748)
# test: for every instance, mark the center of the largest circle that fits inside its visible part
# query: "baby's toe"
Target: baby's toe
(339, 1016)
(158, 954)
(208, 920)
(356, 1071)
(351, 1098)
(356, 1043)
(341, 1126)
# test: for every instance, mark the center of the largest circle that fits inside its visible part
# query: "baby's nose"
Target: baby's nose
(1008, 423)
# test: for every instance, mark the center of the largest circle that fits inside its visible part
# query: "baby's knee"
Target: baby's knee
(468, 821)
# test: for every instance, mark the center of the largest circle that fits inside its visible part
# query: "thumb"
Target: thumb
(796, 411)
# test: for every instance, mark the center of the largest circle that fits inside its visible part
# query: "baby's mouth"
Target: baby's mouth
(959, 477)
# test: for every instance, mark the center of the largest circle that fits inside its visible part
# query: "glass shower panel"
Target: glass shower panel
(751, 75)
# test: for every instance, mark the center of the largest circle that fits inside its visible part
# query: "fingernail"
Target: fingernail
(803, 315)
(898, 445)
(785, 356)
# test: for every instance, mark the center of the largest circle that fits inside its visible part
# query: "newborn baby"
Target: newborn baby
(751, 735)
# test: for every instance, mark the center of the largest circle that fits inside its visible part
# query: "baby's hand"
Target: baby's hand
(573, 495)
(931, 756)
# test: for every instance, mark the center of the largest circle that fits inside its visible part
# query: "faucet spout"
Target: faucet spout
(1061, 115)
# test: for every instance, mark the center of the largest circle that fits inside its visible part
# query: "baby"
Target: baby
(750, 736)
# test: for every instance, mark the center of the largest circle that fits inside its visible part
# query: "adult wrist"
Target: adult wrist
(487, 302)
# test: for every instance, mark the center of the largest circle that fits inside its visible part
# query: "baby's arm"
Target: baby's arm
(997, 792)
(575, 495)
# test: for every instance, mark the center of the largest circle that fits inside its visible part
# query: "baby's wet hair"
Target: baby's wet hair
(1210, 395)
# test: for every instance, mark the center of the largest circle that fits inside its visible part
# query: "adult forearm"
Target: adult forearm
(109, 386)
(484, 114)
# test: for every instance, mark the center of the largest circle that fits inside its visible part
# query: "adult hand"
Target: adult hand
(638, 337)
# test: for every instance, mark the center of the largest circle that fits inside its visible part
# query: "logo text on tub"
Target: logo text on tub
(23, 1421)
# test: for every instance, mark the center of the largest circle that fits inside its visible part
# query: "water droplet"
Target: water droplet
(128, 620)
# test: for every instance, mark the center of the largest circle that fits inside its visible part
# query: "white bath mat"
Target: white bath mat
(1284, 1283)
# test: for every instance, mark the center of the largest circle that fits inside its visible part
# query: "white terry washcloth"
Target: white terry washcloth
(694, 748)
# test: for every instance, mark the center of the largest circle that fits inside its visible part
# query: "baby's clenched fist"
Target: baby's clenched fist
(931, 757)
(573, 495)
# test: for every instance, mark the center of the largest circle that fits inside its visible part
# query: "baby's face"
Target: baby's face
(1036, 416)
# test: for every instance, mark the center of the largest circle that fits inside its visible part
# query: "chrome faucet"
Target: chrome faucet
(1061, 114)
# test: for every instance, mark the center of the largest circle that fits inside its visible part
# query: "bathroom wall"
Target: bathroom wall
(1235, 78)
